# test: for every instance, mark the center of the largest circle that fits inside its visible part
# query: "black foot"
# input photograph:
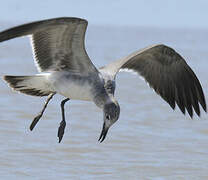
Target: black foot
(61, 130)
(35, 121)
(63, 122)
(37, 118)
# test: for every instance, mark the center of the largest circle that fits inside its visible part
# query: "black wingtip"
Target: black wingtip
(204, 106)
(190, 111)
(191, 116)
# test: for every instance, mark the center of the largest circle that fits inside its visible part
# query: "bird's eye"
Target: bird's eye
(108, 117)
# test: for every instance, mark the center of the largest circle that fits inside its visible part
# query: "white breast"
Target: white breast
(76, 91)
(72, 88)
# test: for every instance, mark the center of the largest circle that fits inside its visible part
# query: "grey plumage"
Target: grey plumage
(167, 73)
(58, 43)
(60, 56)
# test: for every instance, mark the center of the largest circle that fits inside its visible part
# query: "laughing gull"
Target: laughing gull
(65, 68)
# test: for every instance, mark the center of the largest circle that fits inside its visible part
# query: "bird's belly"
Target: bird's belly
(74, 89)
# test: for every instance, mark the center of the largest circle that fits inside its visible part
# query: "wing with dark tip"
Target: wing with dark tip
(167, 73)
(58, 44)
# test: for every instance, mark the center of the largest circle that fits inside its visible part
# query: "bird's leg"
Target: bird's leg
(37, 118)
(63, 122)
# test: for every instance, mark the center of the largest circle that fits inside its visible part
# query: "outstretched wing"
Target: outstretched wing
(167, 73)
(58, 44)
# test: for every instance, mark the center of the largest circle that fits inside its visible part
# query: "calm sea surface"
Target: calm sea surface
(149, 142)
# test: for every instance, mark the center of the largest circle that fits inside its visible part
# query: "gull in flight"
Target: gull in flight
(65, 68)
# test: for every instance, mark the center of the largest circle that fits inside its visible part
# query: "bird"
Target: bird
(59, 53)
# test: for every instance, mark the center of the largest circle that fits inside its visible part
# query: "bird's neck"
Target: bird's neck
(103, 97)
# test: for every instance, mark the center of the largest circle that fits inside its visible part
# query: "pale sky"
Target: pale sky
(153, 13)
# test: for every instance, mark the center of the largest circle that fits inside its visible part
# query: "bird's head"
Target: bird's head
(111, 112)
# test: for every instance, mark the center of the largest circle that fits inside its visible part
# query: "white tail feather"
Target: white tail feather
(32, 85)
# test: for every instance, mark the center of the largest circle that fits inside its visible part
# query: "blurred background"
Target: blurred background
(174, 14)
(150, 141)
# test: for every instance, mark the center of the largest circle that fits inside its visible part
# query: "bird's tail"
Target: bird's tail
(36, 85)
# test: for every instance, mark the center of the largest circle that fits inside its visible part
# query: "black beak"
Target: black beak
(103, 133)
